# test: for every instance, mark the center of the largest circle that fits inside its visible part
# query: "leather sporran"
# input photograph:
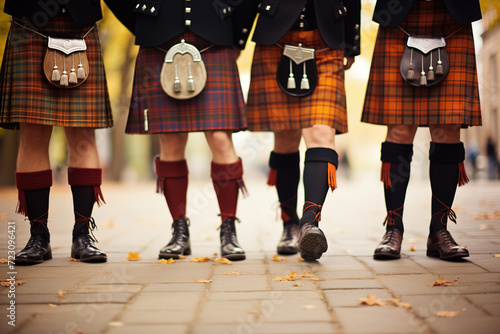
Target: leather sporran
(183, 75)
(297, 74)
(424, 62)
(65, 63)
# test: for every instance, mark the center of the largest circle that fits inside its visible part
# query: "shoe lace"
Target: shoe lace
(445, 212)
(447, 238)
(90, 222)
(389, 219)
(180, 227)
(317, 215)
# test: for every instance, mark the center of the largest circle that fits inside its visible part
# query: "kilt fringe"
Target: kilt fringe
(462, 175)
(22, 207)
(385, 175)
(332, 176)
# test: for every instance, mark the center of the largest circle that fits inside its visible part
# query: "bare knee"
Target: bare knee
(319, 136)
(287, 141)
(401, 134)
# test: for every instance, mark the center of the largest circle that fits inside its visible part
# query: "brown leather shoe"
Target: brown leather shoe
(443, 246)
(312, 242)
(288, 243)
(390, 246)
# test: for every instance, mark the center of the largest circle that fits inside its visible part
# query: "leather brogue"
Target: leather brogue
(229, 246)
(36, 251)
(390, 246)
(179, 244)
(288, 245)
(84, 249)
(443, 246)
(312, 242)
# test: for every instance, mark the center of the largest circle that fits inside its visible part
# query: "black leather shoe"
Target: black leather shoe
(83, 248)
(390, 246)
(36, 251)
(443, 246)
(288, 244)
(312, 242)
(179, 244)
(229, 246)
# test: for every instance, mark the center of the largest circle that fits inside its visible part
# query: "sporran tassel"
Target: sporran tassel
(304, 83)
(291, 79)
(430, 73)
(72, 73)
(177, 82)
(190, 83)
(423, 79)
(64, 76)
(439, 67)
(411, 73)
(80, 73)
(56, 75)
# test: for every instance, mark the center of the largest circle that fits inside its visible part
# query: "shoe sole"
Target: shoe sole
(313, 245)
(386, 256)
(287, 251)
(436, 254)
(94, 259)
(235, 257)
(27, 262)
(174, 256)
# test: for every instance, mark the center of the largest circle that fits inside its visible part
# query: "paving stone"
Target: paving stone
(337, 298)
(401, 266)
(224, 312)
(243, 268)
(149, 329)
(427, 306)
(344, 274)
(350, 284)
(263, 295)
(166, 317)
(174, 287)
(168, 301)
(239, 283)
(465, 325)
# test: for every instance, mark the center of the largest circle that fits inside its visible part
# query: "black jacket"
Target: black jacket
(154, 22)
(390, 13)
(338, 22)
(83, 12)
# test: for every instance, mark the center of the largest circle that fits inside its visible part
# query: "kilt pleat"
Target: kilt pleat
(28, 97)
(271, 109)
(390, 100)
(220, 106)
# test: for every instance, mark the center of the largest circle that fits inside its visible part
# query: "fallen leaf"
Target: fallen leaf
(371, 300)
(61, 293)
(223, 260)
(398, 303)
(203, 281)
(309, 275)
(443, 282)
(308, 307)
(52, 305)
(447, 314)
(412, 248)
(298, 284)
(201, 259)
(182, 257)
(72, 259)
(163, 261)
(133, 256)
(232, 273)
(289, 277)
(7, 283)
(278, 258)
(496, 255)
(300, 259)
(2, 260)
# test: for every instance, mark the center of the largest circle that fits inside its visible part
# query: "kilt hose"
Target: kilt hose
(220, 106)
(390, 100)
(271, 109)
(28, 97)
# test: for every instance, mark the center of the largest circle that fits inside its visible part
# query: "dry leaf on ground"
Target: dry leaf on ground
(133, 256)
(201, 259)
(371, 300)
(298, 284)
(447, 314)
(233, 273)
(53, 305)
(61, 293)
(181, 257)
(496, 255)
(278, 258)
(2, 260)
(163, 261)
(72, 259)
(203, 281)
(443, 282)
(7, 283)
(289, 277)
(412, 248)
(398, 303)
(300, 259)
(223, 260)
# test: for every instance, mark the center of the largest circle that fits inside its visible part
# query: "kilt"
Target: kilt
(220, 106)
(390, 100)
(271, 109)
(28, 97)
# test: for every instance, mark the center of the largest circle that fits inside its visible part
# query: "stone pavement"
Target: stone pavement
(120, 296)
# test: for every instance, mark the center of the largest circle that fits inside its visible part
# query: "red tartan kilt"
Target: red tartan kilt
(28, 97)
(390, 100)
(271, 109)
(220, 106)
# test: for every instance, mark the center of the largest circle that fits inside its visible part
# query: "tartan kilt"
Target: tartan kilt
(390, 100)
(271, 109)
(28, 97)
(220, 106)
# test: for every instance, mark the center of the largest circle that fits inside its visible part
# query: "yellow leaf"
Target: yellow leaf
(496, 255)
(2, 260)
(182, 257)
(163, 261)
(72, 259)
(223, 260)
(203, 281)
(201, 259)
(53, 305)
(443, 282)
(412, 248)
(298, 284)
(289, 277)
(447, 314)
(133, 256)
(371, 300)
(61, 293)
(278, 258)
(398, 303)
(232, 273)
(300, 259)
(7, 283)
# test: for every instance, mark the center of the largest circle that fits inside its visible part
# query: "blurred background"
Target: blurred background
(129, 158)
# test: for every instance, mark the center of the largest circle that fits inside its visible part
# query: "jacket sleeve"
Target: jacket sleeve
(124, 12)
(352, 28)
(244, 16)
